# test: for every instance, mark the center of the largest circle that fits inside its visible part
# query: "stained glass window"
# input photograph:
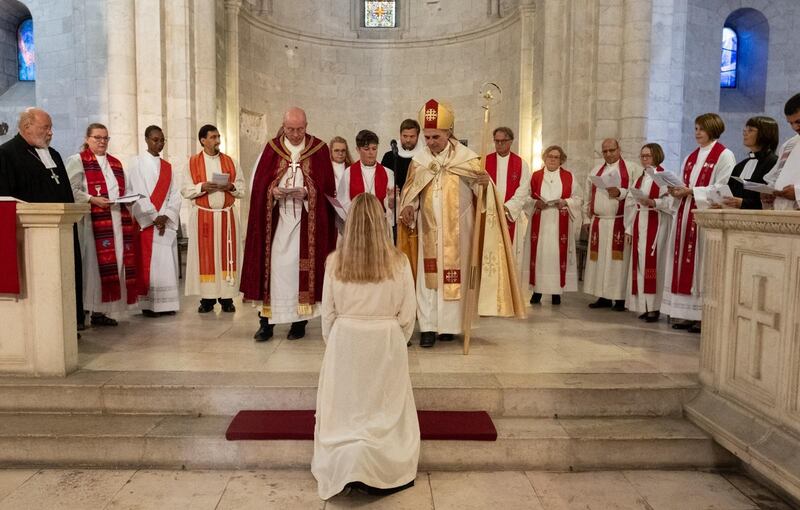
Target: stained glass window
(26, 57)
(380, 14)
(730, 50)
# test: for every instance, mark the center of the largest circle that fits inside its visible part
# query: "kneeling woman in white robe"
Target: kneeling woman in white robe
(366, 432)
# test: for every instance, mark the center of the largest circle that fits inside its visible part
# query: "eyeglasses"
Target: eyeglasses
(101, 138)
(645, 156)
(502, 140)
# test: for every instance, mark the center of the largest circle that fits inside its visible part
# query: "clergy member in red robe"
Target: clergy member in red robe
(291, 228)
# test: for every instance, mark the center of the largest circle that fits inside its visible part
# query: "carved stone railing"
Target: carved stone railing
(750, 348)
(38, 326)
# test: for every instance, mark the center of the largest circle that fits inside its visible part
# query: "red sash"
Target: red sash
(103, 229)
(563, 222)
(650, 256)
(513, 178)
(157, 198)
(357, 181)
(683, 261)
(205, 221)
(618, 237)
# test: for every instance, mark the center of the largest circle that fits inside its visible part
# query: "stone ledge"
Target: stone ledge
(772, 222)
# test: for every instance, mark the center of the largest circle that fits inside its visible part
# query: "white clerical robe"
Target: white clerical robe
(520, 208)
(690, 306)
(786, 172)
(92, 290)
(368, 174)
(606, 277)
(434, 313)
(366, 421)
(642, 302)
(143, 172)
(548, 262)
(219, 288)
(284, 274)
(338, 172)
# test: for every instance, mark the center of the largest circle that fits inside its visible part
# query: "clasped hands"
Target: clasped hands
(289, 193)
(210, 187)
(542, 205)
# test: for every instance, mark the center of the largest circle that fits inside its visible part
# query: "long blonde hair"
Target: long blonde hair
(366, 254)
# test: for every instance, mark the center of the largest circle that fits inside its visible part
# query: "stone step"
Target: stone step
(217, 393)
(192, 442)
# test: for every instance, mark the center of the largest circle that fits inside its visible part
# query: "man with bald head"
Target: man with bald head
(604, 208)
(32, 171)
(291, 228)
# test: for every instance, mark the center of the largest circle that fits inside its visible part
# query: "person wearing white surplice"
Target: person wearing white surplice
(340, 157)
(158, 215)
(710, 165)
(368, 176)
(367, 433)
(107, 248)
(604, 209)
(647, 222)
(214, 183)
(557, 211)
(512, 176)
(785, 177)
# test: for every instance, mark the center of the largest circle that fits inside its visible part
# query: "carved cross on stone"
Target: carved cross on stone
(757, 316)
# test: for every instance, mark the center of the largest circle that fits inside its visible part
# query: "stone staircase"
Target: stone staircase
(178, 420)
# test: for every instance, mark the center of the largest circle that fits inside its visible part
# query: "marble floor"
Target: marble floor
(52, 489)
(570, 338)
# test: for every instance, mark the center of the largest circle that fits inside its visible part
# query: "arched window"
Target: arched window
(730, 50)
(380, 14)
(26, 57)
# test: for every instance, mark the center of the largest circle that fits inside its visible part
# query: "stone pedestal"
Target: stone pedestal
(38, 326)
(750, 350)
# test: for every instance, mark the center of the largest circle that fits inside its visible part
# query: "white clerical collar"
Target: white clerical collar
(708, 147)
(408, 154)
(209, 156)
(368, 167)
(338, 166)
(151, 156)
(294, 149)
(45, 158)
(503, 157)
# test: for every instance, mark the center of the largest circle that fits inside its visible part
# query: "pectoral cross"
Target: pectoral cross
(54, 176)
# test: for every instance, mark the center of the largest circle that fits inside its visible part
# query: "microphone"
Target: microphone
(393, 143)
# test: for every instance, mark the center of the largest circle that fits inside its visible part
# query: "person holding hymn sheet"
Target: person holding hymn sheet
(785, 177)
(648, 215)
(709, 165)
(368, 176)
(107, 233)
(557, 211)
(607, 263)
(32, 171)
(291, 228)
(512, 177)
(399, 158)
(437, 216)
(366, 434)
(340, 157)
(158, 216)
(760, 136)
(213, 182)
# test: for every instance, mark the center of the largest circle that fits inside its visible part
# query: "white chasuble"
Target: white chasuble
(785, 173)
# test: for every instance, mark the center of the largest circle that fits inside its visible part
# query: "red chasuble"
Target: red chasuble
(650, 256)
(563, 222)
(357, 182)
(684, 260)
(103, 229)
(157, 198)
(512, 179)
(618, 237)
(317, 227)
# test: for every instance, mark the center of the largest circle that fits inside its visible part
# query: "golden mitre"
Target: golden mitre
(435, 115)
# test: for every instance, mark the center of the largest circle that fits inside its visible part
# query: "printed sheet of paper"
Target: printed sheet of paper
(128, 199)
(220, 178)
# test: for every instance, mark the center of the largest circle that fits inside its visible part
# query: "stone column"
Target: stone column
(205, 64)
(149, 67)
(635, 76)
(530, 118)
(231, 140)
(179, 85)
(39, 328)
(122, 109)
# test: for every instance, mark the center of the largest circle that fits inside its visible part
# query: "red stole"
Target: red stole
(563, 222)
(650, 256)
(618, 237)
(157, 198)
(205, 221)
(513, 178)
(684, 261)
(103, 229)
(357, 181)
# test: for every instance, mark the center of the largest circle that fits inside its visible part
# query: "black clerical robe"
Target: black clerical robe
(765, 162)
(399, 165)
(24, 176)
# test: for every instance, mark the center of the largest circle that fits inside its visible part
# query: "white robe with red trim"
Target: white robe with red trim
(368, 174)
(143, 173)
(520, 208)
